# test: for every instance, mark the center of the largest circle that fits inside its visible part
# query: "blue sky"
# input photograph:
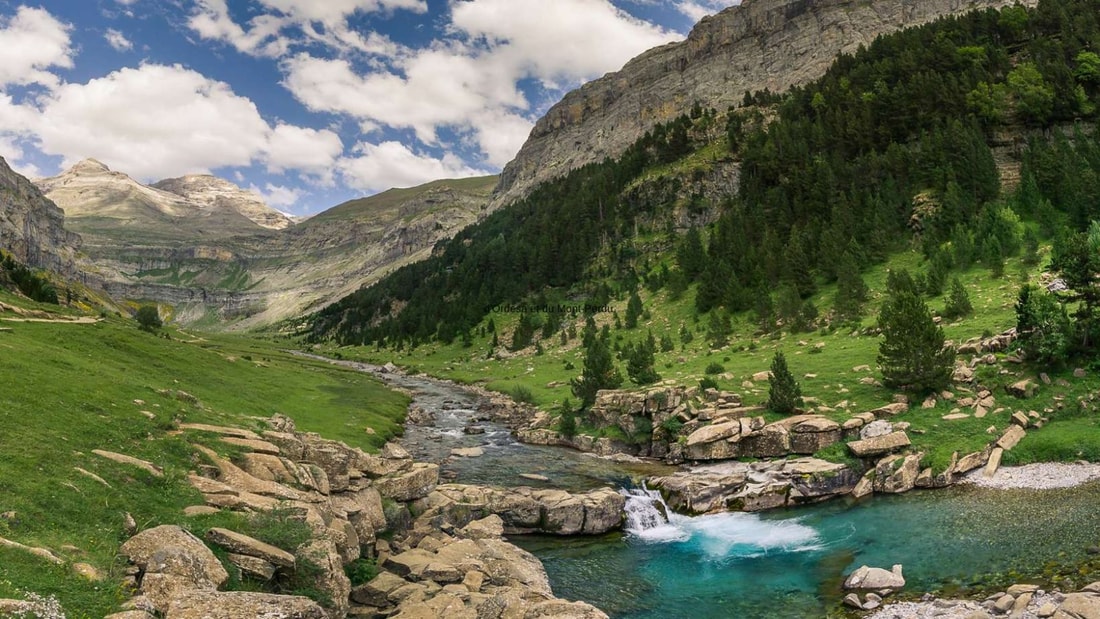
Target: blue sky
(307, 102)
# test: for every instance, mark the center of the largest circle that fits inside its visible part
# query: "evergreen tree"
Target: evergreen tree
(639, 365)
(567, 419)
(912, 353)
(764, 308)
(784, 394)
(851, 291)
(958, 301)
(599, 372)
(994, 257)
(633, 311)
(719, 329)
(1043, 326)
(686, 336)
(666, 343)
(690, 254)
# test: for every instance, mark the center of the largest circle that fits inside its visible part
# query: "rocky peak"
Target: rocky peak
(771, 44)
(32, 228)
(89, 166)
(209, 191)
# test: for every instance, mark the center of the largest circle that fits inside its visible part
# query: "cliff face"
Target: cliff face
(32, 227)
(216, 193)
(771, 44)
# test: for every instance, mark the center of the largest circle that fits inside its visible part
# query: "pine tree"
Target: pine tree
(639, 365)
(599, 372)
(912, 354)
(784, 394)
(719, 329)
(567, 419)
(851, 291)
(691, 255)
(633, 311)
(958, 301)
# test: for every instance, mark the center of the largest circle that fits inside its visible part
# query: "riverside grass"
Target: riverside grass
(823, 361)
(67, 389)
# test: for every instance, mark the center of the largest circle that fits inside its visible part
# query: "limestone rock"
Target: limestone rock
(1079, 606)
(245, 545)
(238, 604)
(1022, 389)
(329, 577)
(875, 578)
(879, 445)
(410, 485)
(253, 567)
(173, 561)
(377, 590)
(1011, 437)
(897, 474)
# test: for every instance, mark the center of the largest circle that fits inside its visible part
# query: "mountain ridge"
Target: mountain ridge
(761, 44)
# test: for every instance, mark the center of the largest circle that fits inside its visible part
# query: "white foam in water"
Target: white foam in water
(718, 535)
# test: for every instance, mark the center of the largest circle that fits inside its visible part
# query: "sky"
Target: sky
(308, 103)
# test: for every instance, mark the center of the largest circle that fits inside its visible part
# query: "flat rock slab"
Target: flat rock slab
(245, 545)
(223, 430)
(255, 445)
(468, 452)
(151, 468)
(879, 445)
(238, 604)
(1011, 437)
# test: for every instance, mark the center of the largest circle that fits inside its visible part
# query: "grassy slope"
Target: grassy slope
(828, 376)
(69, 389)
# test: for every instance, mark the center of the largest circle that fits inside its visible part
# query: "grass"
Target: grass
(829, 375)
(69, 389)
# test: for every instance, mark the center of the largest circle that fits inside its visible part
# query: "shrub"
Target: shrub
(520, 393)
(148, 318)
(714, 368)
(361, 571)
(708, 383)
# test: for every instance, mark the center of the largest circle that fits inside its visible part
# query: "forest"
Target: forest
(889, 148)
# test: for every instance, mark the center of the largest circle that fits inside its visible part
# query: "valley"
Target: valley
(798, 316)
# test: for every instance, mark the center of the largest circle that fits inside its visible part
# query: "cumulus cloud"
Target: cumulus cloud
(117, 40)
(376, 167)
(698, 9)
(470, 82)
(211, 20)
(30, 43)
(156, 121)
(277, 196)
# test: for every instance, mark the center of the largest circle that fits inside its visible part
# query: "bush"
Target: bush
(708, 383)
(520, 393)
(784, 394)
(148, 318)
(714, 368)
(361, 571)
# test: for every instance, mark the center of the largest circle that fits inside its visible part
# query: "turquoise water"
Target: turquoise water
(790, 564)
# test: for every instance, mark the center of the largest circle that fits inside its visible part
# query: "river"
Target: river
(774, 565)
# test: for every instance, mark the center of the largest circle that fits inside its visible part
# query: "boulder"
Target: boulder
(963, 374)
(879, 427)
(237, 604)
(377, 590)
(714, 432)
(253, 567)
(409, 485)
(1079, 606)
(891, 410)
(897, 474)
(245, 545)
(1022, 389)
(875, 578)
(172, 562)
(1011, 437)
(328, 577)
(771, 441)
(814, 434)
(879, 445)
(491, 527)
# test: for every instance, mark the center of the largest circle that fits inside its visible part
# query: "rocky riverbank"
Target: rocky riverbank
(1021, 601)
(1040, 476)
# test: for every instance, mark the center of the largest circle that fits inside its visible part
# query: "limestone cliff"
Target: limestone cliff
(771, 44)
(32, 227)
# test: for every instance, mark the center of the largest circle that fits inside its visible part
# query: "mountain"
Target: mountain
(215, 193)
(32, 228)
(761, 44)
(218, 254)
(111, 210)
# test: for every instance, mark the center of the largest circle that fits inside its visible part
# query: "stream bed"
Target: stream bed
(773, 565)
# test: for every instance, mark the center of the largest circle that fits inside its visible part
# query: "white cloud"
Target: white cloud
(333, 11)
(469, 81)
(117, 40)
(377, 167)
(31, 42)
(277, 196)
(211, 20)
(157, 121)
(698, 9)
(300, 148)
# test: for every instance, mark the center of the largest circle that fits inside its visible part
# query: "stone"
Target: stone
(971, 461)
(468, 452)
(879, 445)
(245, 545)
(1078, 373)
(148, 467)
(87, 572)
(1020, 419)
(891, 410)
(1004, 603)
(253, 567)
(955, 417)
(376, 592)
(409, 485)
(894, 478)
(1079, 606)
(534, 477)
(814, 434)
(490, 527)
(714, 432)
(256, 445)
(222, 430)
(760, 377)
(875, 578)
(174, 562)
(852, 600)
(199, 510)
(993, 462)
(238, 604)
(771, 441)
(963, 374)
(1011, 437)
(1022, 389)
(329, 577)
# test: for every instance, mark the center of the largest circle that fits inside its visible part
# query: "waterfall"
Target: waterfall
(650, 518)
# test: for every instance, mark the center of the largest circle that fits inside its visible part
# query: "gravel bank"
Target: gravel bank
(1043, 476)
(966, 609)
